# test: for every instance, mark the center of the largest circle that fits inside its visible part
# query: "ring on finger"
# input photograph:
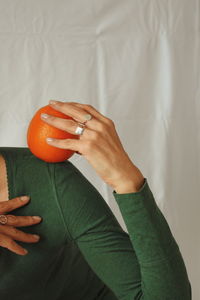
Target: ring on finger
(81, 126)
(3, 219)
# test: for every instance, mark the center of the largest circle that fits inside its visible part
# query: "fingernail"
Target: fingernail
(49, 140)
(37, 218)
(36, 236)
(53, 102)
(25, 251)
(87, 117)
(45, 116)
(25, 198)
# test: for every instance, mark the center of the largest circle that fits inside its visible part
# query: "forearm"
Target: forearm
(163, 271)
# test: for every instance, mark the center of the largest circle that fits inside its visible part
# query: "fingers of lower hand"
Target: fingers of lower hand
(9, 205)
(18, 235)
(20, 221)
(10, 244)
(8, 233)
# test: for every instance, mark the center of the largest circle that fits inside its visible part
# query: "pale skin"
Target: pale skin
(99, 144)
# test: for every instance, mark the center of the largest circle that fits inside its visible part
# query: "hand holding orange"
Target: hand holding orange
(99, 143)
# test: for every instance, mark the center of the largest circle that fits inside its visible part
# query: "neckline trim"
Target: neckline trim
(9, 173)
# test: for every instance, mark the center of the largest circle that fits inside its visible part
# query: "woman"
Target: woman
(83, 253)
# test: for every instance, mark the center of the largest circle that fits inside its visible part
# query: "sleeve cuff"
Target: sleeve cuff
(144, 187)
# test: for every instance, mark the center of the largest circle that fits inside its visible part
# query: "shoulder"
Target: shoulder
(83, 207)
(72, 179)
(75, 191)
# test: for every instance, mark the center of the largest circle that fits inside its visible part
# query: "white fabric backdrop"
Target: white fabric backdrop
(137, 62)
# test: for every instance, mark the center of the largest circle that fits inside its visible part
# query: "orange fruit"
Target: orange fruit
(38, 131)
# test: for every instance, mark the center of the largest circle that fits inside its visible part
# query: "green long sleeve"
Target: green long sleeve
(144, 264)
(163, 272)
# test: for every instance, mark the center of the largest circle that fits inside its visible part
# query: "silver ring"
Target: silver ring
(79, 130)
(3, 219)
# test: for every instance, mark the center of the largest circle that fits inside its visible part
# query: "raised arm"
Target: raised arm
(147, 263)
(144, 264)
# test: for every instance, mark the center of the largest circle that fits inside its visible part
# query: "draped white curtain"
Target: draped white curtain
(138, 63)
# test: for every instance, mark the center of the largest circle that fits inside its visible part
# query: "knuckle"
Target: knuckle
(11, 242)
(101, 127)
(88, 145)
(27, 219)
(12, 230)
(95, 135)
(3, 239)
(59, 102)
(72, 102)
(15, 231)
(109, 122)
(12, 219)
(3, 206)
(66, 143)
(88, 106)
(11, 227)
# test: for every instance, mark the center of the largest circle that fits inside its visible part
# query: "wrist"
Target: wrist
(130, 183)
(131, 187)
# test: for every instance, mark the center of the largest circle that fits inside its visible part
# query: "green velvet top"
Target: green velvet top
(83, 252)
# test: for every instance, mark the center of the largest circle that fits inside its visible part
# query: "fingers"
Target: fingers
(9, 243)
(8, 232)
(93, 111)
(9, 205)
(20, 221)
(70, 110)
(18, 234)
